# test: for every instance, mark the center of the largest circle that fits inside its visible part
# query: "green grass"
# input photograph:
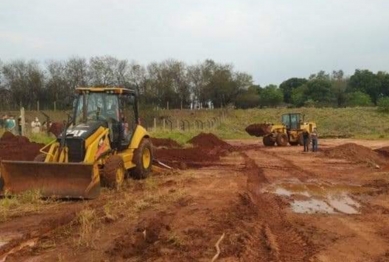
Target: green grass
(367, 123)
(17, 205)
(358, 122)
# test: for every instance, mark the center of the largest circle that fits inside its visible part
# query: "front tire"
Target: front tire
(268, 141)
(282, 139)
(143, 157)
(114, 172)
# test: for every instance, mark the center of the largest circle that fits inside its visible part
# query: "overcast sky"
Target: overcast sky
(272, 40)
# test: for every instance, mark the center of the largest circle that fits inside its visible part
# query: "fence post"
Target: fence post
(37, 105)
(163, 124)
(155, 124)
(178, 124)
(23, 121)
(55, 106)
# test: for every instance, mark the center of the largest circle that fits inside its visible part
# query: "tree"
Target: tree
(339, 87)
(383, 104)
(358, 98)
(289, 85)
(248, 98)
(271, 96)
(299, 95)
(367, 82)
(383, 78)
(319, 90)
(57, 86)
(25, 80)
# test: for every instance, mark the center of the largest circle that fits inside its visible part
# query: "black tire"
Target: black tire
(143, 158)
(268, 141)
(282, 139)
(40, 158)
(114, 172)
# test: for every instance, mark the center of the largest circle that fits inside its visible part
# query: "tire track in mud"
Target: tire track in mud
(273, 233)
(297, 171)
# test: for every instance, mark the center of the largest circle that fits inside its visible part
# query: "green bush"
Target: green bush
(383, 104)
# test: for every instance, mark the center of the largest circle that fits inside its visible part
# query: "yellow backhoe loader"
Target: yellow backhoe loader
(288, 131)
(102, 144)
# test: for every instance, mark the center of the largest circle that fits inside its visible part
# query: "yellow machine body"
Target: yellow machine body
(72, 166)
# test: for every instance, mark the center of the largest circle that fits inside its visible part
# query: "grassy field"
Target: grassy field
(331, 122)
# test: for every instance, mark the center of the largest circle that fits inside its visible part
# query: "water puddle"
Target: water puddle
(311, 206)
(313, 197)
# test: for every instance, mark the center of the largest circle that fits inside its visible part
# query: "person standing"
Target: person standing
(306, 140)
(314, 140)
(36, 126)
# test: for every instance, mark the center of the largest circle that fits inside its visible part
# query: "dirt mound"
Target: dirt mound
(383, 151)
(206, 151)
(355, 153)
(258, 129)
(187, 157)
(18, 148)
(208, 141)
(165, 142)
(56, 128)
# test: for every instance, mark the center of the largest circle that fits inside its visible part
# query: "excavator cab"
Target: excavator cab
(101, 145)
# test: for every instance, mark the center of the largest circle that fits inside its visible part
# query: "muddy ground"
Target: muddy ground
(257, 203)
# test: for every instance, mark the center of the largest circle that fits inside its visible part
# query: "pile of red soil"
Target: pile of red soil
(165, 142)
(188, 157)
(206, 150)
(258, 129)
(383, 151)
(355, 153)
(56, 128)
(208, 141)
(18, 148)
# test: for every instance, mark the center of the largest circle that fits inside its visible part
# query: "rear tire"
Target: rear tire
(40, 158)
(282, 139)
(114, 172)
(268, 141)
(143, 157)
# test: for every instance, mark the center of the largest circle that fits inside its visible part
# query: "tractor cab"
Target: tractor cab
(115, 108)
(292, 121)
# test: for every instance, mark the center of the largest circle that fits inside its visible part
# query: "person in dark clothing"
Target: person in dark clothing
(306, 140)
(20, 125)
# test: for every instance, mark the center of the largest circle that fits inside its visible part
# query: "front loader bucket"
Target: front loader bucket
(59, 180)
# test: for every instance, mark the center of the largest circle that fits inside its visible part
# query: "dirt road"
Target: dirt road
(257, 203)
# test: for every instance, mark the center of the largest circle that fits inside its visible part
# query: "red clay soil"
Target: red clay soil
(56, 128)
(188, 157)
(258, 129)
(355, 153)
(206, 151)
(18, 148)
(165, 142)
(383, 151)
(208, 141)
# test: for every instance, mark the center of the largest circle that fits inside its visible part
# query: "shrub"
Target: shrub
(383, 104)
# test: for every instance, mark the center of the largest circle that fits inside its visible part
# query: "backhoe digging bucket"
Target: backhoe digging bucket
(59, 180)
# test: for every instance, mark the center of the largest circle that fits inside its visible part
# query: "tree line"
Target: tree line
(174, 84)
